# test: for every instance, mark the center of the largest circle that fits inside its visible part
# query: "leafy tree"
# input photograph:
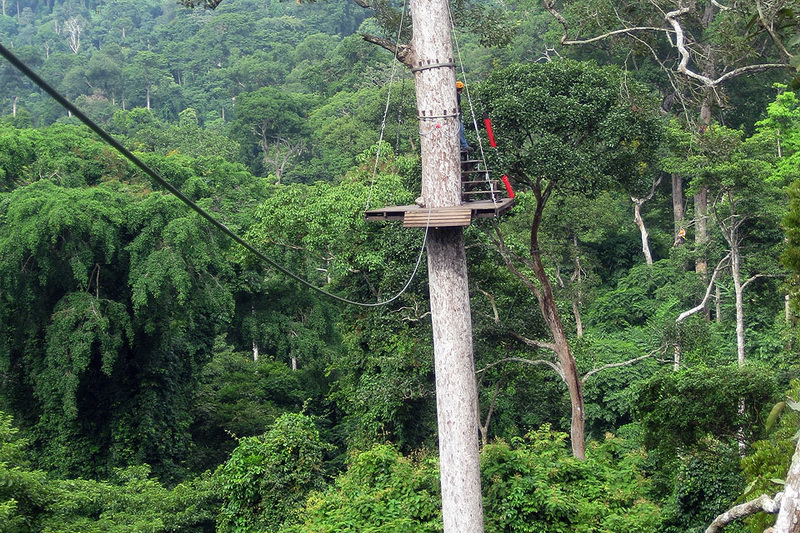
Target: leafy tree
(533, 484)
(270, 122)
(679, 409)
(566, 126)
(238, 397)
(267, 477)
(381, 491)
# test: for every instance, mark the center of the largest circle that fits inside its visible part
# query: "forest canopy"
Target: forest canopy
(156, 376)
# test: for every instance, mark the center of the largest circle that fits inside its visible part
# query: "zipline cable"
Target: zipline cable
(22, 67)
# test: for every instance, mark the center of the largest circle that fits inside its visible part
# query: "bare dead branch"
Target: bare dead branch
(683, 51)
(484, 428)
(552, 364)
(615, 365)
(771, 30)
(548, 5)
(702, 304)
(534, 343)
(761, 504)
(656, 183)
(753, 278)
(493, 304)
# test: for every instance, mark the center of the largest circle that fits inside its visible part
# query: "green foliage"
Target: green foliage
(132, 502)
(535, 485)
(644, 295)
(707, 481)
(678, 410)
(238, 397)
(573, 125)
(381, 492)
(268, 477)
(767, 464)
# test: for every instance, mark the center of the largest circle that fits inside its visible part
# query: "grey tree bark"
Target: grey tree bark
(456, 391)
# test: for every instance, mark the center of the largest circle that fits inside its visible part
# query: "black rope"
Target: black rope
(22, 67)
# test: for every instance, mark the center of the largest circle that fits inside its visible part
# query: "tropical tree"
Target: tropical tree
(565, 125)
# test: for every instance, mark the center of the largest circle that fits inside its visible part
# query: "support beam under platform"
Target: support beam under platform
(414, 216)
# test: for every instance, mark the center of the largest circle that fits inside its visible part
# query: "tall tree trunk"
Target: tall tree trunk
(677, 203)
(736, 274)
(456, 391)
(549, 309)
(637, 216)
(701, 231)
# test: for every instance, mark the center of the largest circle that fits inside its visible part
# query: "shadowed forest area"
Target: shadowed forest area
(155, 376)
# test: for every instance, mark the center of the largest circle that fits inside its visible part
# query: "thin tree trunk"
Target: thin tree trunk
(637, 216)
(456, 391)
(577, 297)
(738, 290)
(701, 231)
(677, 203)
(549, 309)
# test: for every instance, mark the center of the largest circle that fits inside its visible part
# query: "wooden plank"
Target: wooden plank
(445, 217)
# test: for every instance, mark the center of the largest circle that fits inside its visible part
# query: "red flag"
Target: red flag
(489, 132)
(507, 183)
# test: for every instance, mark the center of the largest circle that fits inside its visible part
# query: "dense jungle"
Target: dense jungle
(155, 376)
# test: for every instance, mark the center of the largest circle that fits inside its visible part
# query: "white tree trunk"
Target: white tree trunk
(738, 290)
(637, 216)
(789, 514)
(456, 393)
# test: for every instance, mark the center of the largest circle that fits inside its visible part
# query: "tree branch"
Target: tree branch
(762, 503)
(702, 304)
(683, 51)
(555, 366)
(548, 5)
(403, 52)
(614, 365)
(505, 253)
(534, 343)
(493, 303)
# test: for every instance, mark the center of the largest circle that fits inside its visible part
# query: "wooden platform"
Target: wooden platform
(414, 216)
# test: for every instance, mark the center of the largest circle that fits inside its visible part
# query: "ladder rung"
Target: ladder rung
(476, 171)
(477, 182)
